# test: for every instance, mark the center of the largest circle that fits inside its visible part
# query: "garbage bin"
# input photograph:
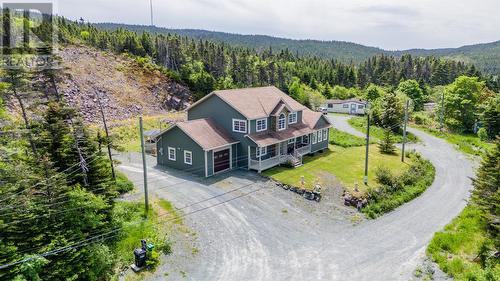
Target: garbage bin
(140, 257)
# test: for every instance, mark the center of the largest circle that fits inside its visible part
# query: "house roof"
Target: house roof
(310, 124)
(360, 101)
(311, 118)
(256, 102)
(206, 133)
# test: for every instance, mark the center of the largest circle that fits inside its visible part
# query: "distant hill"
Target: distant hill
(485, 56)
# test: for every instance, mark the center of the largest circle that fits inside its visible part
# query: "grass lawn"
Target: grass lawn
(346, 164)
(467, 143)
(344, 139)
(456, 247)
(377, 133)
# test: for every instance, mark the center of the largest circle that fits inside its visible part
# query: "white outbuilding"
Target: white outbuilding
(349, 106)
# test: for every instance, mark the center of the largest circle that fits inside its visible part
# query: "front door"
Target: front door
(221, 160)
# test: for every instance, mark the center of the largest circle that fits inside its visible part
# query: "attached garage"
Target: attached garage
(197, 146)
(221, 160)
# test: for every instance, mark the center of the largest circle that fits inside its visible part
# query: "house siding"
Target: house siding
(179, 140)
(223, 115)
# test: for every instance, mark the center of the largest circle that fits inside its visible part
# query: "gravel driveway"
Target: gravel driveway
(260, 232)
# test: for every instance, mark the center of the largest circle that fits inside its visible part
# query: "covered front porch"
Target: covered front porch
(288, 151)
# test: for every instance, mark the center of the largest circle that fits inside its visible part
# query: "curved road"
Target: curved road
(252, 231)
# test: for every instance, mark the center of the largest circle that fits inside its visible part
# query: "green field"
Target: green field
(346, 164)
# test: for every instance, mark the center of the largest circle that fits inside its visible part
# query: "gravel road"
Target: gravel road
(255, 231)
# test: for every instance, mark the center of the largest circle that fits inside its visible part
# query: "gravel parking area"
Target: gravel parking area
(247, 229)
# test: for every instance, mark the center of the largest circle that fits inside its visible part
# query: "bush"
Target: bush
(394, 191)
(123, 184)
(482, 134)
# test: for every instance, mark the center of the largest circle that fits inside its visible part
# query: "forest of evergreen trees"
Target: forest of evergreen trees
(207, 65)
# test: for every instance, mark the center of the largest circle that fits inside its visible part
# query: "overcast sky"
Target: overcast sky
(389, 24)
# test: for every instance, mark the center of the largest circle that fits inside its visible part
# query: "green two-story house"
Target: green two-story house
(253, 128)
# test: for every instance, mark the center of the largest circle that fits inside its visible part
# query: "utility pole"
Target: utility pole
(441, 119)
(404, 131)
(107, 135)
(151, 10)
(144, 167)
(365, 179)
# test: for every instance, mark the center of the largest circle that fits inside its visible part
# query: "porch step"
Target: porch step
(296, 163)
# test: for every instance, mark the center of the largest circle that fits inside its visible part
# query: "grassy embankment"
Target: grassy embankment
(125, 133)
(458, 248)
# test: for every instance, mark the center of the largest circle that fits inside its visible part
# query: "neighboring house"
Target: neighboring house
(254, 128)
(429, 106)
(350, 106)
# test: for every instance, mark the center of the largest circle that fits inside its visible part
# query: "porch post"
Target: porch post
(248, 158)
(260, 158)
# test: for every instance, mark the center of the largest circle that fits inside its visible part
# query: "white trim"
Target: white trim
(240, 120)
(208, 149)
(257, 125)
(175, 153)
(290, 141)
(313, 138)
(325, 134)
(191, 156)
(319, 136)
(292, 114)
(278, 122)
(206, 166)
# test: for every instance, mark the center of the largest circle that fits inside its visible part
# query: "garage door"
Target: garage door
(221, 160)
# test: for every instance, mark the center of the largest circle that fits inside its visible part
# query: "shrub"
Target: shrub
(482, 134)
(123, 184)
(384, 176)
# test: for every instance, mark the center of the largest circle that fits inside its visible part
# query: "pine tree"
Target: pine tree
(486, 194)
(386, 145)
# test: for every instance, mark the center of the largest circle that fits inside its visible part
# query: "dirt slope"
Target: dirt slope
(126, 88)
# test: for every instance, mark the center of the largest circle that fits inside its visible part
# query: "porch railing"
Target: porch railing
(303, 150)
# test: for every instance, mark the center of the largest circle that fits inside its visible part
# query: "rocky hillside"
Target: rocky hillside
(126, 88)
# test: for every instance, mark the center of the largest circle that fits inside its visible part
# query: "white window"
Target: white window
(313, 140)
(325, 131)
(292, 118)
(239, 126)
(305, 139)
(161, 151)
(171, 153)
(320, 139)
(188, 157)
(261, 125)
(281, 122)
(290, 141)
(261, 151)
(345, 105)
(360, 106)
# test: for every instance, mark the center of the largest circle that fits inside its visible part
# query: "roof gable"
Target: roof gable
(254, 103)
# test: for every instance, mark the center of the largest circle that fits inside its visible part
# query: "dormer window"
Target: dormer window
(281, 122)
